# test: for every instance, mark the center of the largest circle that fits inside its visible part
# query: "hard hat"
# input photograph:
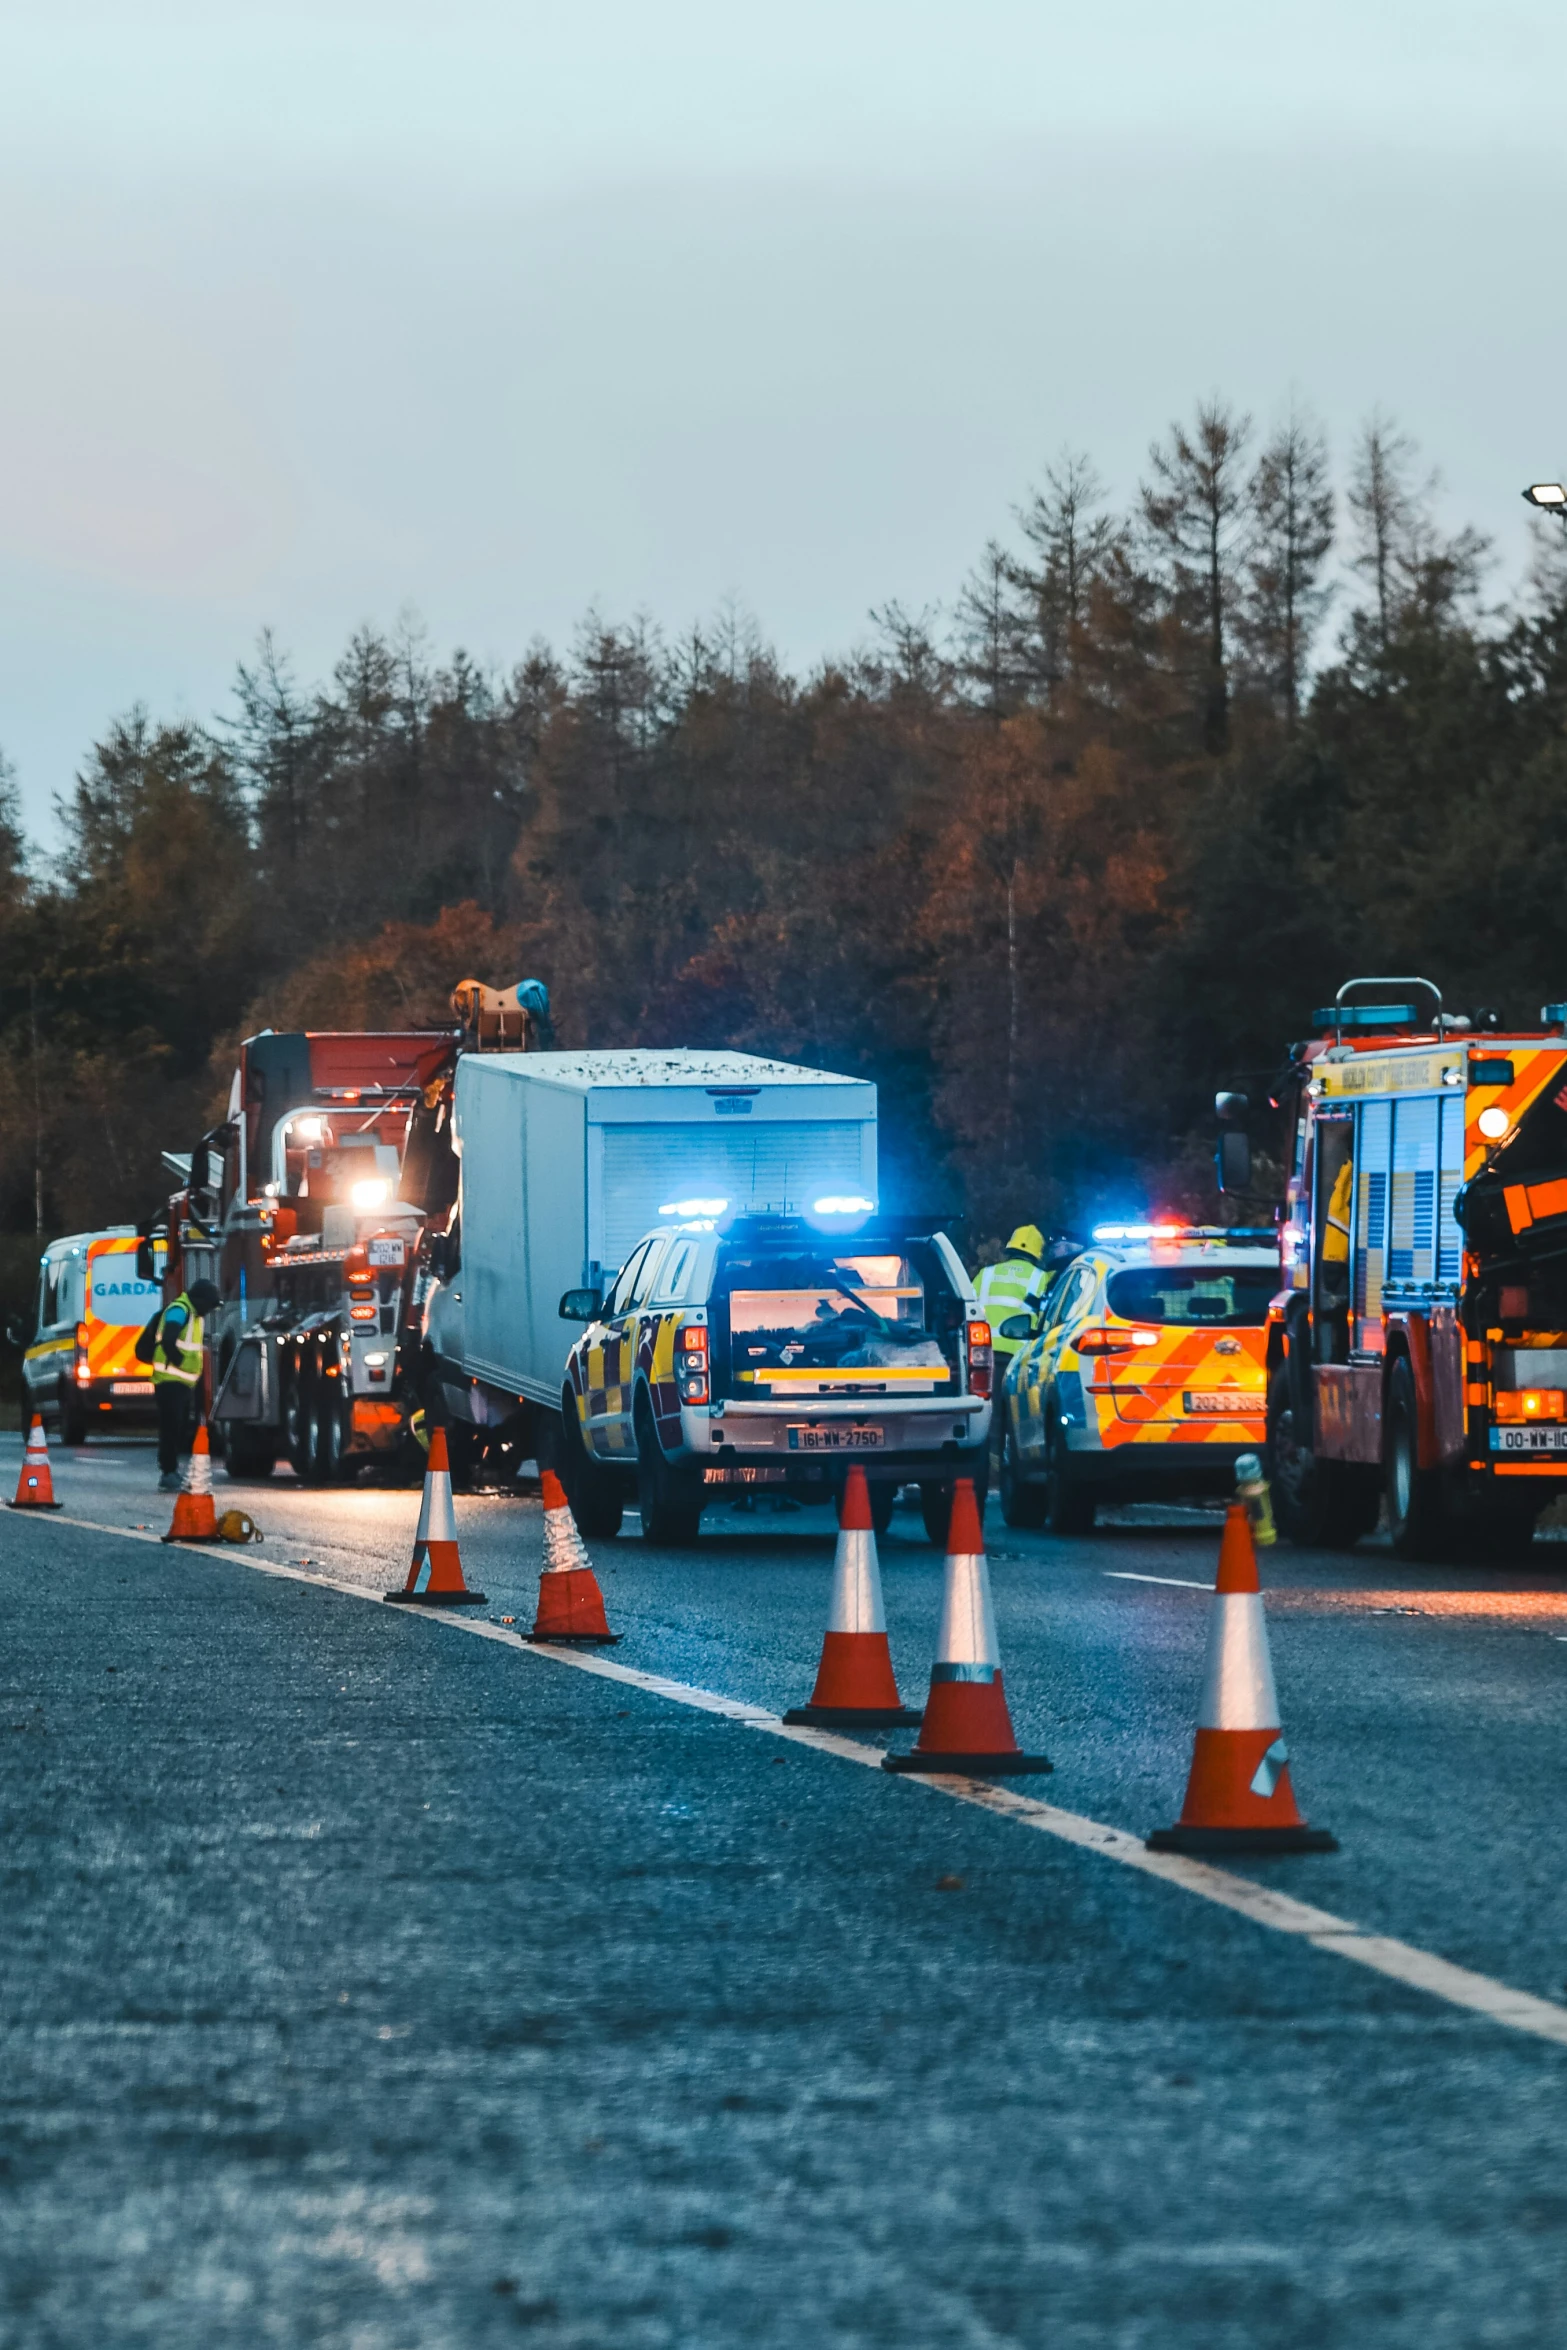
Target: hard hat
(1027, 1241)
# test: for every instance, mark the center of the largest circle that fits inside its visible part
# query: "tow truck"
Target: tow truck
(1417, 1350)
(317, 1207)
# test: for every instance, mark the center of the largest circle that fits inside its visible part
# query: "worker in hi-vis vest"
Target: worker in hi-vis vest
(1014, 1284)
(177, 1362)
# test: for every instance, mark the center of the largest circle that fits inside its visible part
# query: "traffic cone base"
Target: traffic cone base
(195, 1512)
(856, 1687)
(435, 1542)
(35, 1486)
(1238, 1793)
(571, 1605)
(968, 1732)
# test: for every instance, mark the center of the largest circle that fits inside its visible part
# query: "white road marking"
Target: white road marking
(1401, 1962)
(1177, 1582)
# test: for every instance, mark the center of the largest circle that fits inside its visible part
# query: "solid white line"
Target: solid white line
(1177, 1582)
(1402, 1962)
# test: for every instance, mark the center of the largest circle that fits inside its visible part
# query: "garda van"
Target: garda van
(80, 1371)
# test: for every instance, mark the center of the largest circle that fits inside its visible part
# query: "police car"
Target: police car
(774, 1351)
(1144, 1376)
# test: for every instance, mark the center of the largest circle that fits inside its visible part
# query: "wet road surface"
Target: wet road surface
(367, 1984)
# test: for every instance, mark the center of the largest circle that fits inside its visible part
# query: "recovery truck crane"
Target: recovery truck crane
(318, 1208)
(1417, 1350)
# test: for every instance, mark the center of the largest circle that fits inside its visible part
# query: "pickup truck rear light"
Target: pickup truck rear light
(691, 1371)
(981, 1358)
(83, 1367)
(361, 1313)
(1113, 1342)
(1532, 1403)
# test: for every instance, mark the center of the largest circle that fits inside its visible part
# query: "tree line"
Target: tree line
(1047, 865)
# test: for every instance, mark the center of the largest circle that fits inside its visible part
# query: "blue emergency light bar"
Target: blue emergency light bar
(1247, 1235)
(1365, 1016)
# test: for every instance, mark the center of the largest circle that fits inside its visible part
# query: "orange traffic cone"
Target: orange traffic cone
(1239, 1797)
(195, 1513)
(967, 1727)
(855, 1685)
(35, 1486)
(571, 1605)
(435, 1540)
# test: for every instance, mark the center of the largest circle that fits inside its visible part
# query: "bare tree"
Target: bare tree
(1414, 567)
(1072, 539)
(1292, 508)
(987, 634)
(1197, 510)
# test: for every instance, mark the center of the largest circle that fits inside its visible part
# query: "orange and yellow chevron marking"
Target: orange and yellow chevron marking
(1534, 1067)
(1141, 1398)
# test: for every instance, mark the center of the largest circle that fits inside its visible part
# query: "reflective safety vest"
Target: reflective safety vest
(1013, 1286)
(187, 1369)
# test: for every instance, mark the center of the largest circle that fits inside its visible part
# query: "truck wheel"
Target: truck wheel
(669, 1499)
(250, 1452)
(296, 1424)
(1319, 1505)
(73, 1420)
(884, 1500)
(1022, 1505)
(1414, 1502)
(1069, 1506)
(328, 1442)
(595, 1498)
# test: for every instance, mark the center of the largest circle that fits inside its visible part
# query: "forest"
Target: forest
(1049, 864)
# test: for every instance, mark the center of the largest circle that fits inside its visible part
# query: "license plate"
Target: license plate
(130, 1387)
(1529, 1439)
(835, 1439)
(1233, 1402)
(386, 1252)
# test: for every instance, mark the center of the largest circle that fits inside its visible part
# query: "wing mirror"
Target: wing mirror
(1232, 1160)
(1017, 1327)
(581, 1305)
(15, 1333)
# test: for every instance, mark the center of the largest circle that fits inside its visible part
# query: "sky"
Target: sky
(313, 314)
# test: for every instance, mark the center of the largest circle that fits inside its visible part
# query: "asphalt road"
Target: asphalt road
(366, 1984)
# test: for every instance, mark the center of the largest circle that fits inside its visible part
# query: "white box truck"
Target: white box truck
(568, 1159)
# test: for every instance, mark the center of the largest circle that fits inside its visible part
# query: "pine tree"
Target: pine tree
(1198, 517)
(1292, 506)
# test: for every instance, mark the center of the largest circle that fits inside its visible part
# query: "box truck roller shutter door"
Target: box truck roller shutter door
(1412, 1253)
(771, 1164)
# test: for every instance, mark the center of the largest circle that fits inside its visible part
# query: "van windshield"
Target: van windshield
(1190, 1295)
(813, 1311)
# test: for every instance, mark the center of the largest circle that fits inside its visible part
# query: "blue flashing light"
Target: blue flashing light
(851, 1204)
(693, 1207)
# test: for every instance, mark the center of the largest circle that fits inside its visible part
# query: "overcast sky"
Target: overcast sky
(312, 312)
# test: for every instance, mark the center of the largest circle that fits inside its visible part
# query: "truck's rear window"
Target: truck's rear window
(807, 1312)
(1188, 1296)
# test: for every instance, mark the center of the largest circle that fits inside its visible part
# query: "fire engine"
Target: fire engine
(1417, 1351)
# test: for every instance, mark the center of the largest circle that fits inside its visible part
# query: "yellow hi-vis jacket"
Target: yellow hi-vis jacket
(187, 1337)
(1012, 1286)
(1335, 1240)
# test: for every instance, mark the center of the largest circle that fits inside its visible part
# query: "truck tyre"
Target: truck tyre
(73, 1420)
(296, 1421)
(884, 1498)
(250, 1452)
(594, 1494)
(1415, 1519)
(1069, 1506)
(1319, 1505)
(669, 1498)
(327, 1440)
(1022, 1505)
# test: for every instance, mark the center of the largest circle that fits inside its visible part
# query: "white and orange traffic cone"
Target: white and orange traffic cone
(435, 1542)
(1239, 1797)
(856, 1688)
(35, 1486)
(195, 1512)
(571, 1605)
(967, 1728)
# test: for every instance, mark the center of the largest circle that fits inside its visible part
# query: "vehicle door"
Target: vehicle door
(46, 1356)
(602, 1354)
(624, 1317)
(1062, 1308)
